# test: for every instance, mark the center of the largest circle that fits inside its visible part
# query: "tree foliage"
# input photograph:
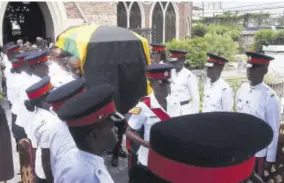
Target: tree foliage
(197, 49)
(201, 30)
(233, 19)
(268, 37)
(222, 45)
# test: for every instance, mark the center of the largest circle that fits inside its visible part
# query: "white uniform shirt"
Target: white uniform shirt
(261, 101)
(185, 87)
(21, 80)
(58, 75)
(217, 96)
(25, 116)
(11, 82)
(6, 62)
(70, 164)
(60, 143)
(38, 127)
(147, 118)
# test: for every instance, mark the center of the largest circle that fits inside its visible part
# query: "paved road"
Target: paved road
(119, 174)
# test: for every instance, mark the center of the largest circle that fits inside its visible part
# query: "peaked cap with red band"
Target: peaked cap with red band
(215, 59)
(21, 56)
(88, 107)
(158, 47)
(15, 63)
(175, 54)
(39, 89)
(159, 71)
(13, 49)
(258, 59)
(65, 92)
(217, 147)
(37, 57)
(8, 45)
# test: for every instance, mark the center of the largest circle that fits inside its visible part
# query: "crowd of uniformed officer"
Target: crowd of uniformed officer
(62, 128)
(176, 93)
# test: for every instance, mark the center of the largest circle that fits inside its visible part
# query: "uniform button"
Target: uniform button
(99, 172)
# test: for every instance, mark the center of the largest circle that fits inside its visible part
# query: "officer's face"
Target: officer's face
(256, 73)
(161, 87)
(75, 69)
(214, 72)
(105, 137)
(156, 58)
(178, 65)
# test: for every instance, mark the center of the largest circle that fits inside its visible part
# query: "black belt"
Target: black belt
(184, 102)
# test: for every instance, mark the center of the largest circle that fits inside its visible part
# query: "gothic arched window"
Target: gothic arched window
(157, 24)
(135, 16)
(170, 23)
(121, 15)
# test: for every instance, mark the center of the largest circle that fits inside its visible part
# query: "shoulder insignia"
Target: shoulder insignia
(135, 110)
(224, 89)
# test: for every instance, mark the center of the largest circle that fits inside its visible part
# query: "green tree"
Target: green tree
(234, 33)
(264, 37)
(222, 45)
(197, 49)
(279, 38)
(199, 30)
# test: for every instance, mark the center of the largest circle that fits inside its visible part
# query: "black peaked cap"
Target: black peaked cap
(44, 81)
(36, 55)
(25, 54)
(211, 55)
(86, 103)
(216, 139)
(259, 56)
(157, 68)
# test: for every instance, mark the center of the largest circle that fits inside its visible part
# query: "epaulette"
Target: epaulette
(135, 110)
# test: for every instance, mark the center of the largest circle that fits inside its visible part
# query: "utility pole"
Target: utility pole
(202, 9)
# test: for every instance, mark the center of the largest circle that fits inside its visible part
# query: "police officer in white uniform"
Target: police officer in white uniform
(258, 99)
(158, 53)
(56, 133)
(36, 69)
(41, 114)
(151, 109)
(185, 84)
(90, 118)
(217, 95)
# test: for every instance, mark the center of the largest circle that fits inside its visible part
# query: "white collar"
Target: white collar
(256, 86)
(94, 160)
(216, 82)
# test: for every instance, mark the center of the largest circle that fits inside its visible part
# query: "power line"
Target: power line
(252, 5)
(248, 10)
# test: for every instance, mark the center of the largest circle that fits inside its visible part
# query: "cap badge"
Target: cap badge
(166, 73)
(100, 117)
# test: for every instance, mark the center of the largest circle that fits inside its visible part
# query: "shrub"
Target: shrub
(263, 37)
(222, 45)
(199, 30)
(197, 49)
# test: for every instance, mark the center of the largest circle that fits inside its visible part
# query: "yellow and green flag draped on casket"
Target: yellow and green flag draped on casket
(113, 55)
